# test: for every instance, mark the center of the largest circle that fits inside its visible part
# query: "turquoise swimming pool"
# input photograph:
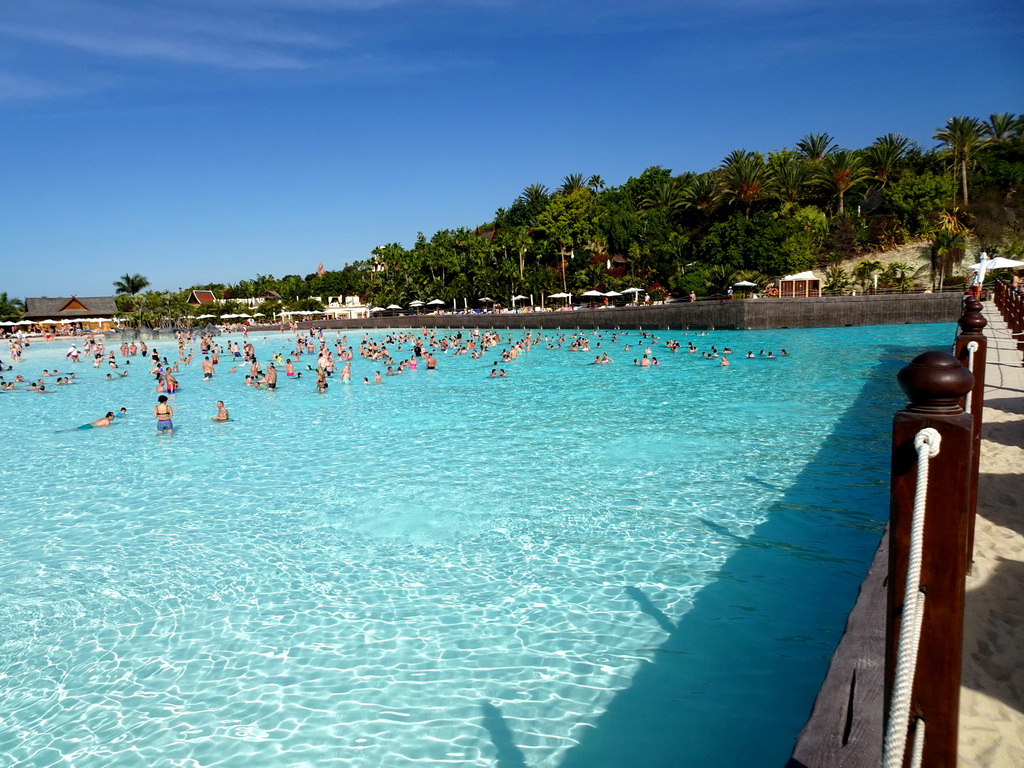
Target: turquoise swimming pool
(575, 565)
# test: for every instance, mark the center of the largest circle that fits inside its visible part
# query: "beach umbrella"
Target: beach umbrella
(415, 303)
(433, 302)
(243, 315)
(998, 262)
(25, 322)
(203, 317)
(487, 298)
(558, 295)
(592, 293)
(393, 306)
(8, 322)
(376, 309)
(259, 314)
(612, 294)
(633, 290)
(744, 284)
(520, 297)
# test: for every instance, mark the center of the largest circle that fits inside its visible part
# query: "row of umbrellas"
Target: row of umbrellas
(65, 321)
(519, 297)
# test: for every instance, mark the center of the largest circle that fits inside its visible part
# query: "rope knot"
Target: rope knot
(928, 437)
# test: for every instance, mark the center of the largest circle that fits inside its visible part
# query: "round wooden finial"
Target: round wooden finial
(935, 382)
(971, 304)
(972, 323)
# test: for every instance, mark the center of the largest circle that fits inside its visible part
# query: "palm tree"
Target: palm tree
(947, 251)
(898, 276)
(131, 285)
(665, 195)
(865, 271)
(571, 183)
(815, 146)
(535, 194)
(703, 193)
(1003, 126)
(840, 171)
(884, 156)
(10, 308)
(596, 183)
(790, 181)
(961, 137)
(837, 280)
(744, 178)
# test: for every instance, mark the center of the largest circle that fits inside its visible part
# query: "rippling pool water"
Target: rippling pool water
(576, 565)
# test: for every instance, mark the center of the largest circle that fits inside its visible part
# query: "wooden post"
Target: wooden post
(972, 324)
(935, 382)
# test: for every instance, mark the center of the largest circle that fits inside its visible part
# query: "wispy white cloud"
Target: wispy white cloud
(15, 86)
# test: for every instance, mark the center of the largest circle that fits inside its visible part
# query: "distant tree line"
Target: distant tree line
(753, 217)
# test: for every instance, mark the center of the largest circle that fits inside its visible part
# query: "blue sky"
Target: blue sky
(214, 140)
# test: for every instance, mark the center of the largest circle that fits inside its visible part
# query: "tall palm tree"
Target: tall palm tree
(884, 156)
(596, 183)
(131, 285)
(745, 178)
(840, 171)
(961, 137)
(815, 146)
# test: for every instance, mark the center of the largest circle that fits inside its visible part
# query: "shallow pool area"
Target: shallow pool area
(575, 565)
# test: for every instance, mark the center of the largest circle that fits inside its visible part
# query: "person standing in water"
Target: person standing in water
(222, 412)
(163, 414)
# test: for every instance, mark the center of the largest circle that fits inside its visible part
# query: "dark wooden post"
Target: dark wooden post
(935, 382)
(972, 324)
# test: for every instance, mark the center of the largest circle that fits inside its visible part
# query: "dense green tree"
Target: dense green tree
(916, 199)
(568, 224)
(763, 242)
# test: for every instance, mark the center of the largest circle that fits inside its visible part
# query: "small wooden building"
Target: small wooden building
(800, 286)
(86, 312)
(201, 298)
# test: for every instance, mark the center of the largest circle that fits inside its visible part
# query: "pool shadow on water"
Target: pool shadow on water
(508, 754)
(755, 627)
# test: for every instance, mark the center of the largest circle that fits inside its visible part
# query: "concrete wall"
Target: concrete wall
(747, 314)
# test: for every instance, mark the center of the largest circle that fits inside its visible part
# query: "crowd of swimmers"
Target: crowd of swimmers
(324, 359)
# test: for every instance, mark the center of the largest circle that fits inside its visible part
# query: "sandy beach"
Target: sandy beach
(992, 692)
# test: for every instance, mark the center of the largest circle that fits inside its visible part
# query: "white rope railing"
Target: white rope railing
(926, 443)
(972, 347)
